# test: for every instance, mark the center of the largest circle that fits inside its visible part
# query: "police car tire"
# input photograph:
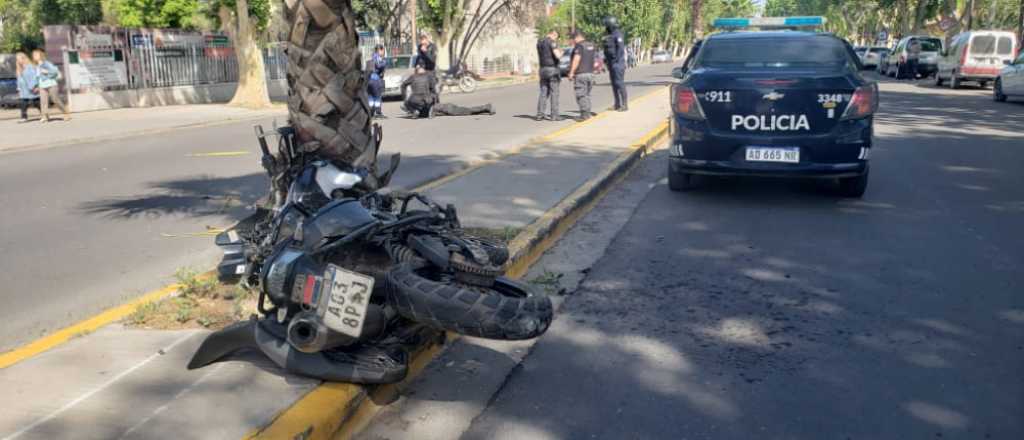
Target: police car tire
(938, 80)
(854, 187)
(681, 182)
(509, 310)
(327, 102)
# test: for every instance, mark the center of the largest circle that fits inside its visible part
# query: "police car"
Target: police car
(786, 103)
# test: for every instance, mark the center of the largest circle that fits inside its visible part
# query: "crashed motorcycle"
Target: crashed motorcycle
(460, 77)
(350, 279)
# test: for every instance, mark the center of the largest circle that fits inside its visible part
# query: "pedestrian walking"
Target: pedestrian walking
(615, 58)
(550, 78)
(375, 69)
(913, 55)
(48, 75)
(581, 72)
(28, 84)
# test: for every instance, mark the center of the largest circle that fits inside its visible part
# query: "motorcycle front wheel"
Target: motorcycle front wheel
(508, 310)
(467, 84)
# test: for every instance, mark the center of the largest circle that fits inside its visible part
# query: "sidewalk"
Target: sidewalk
(121, 123)
(117, 383)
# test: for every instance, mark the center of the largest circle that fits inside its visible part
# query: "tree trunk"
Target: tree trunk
(327, 101)
(252, 79)
(696, 18)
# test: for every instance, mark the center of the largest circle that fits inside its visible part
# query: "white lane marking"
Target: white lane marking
(96, 390)
(181, 393)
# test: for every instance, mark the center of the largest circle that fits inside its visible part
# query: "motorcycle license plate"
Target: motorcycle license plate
(345, 310)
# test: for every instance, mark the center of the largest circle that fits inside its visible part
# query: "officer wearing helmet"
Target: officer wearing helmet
(615, 58)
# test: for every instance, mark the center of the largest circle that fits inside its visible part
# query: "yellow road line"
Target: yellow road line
(84, 327)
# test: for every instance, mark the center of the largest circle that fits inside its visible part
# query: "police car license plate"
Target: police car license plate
(349, 297)
(766, 154)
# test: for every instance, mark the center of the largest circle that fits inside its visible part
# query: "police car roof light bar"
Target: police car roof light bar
(769, 22)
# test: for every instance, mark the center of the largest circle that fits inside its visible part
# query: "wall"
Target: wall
(202, 94)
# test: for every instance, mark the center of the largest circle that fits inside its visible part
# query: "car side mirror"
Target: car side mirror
(679, 72)
(1007, 62)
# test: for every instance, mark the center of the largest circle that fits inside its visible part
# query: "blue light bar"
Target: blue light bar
(769, 22)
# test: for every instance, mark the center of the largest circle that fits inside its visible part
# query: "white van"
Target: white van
(976, 56)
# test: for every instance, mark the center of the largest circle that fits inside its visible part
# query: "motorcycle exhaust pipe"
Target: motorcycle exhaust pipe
(308, 334)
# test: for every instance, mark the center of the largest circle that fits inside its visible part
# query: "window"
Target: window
(983, 45)
(774, 52)
(1005, 46)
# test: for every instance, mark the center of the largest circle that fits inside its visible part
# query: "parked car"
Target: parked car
(9, 91)
(931, 51)
(1010, 82)
(399, 68)
(661, 56)
(565, 62)
(976, 56)
(872, 56)
(883, 62)
(860, 51)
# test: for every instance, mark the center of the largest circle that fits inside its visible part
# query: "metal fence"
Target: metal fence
(181, 66)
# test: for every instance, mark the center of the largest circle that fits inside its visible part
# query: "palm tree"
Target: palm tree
(327, 96)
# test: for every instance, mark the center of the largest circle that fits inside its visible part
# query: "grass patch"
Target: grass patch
(501, 235)
(201, 302)
(549, 281)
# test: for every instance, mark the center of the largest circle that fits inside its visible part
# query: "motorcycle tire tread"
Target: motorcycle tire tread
(469, 312)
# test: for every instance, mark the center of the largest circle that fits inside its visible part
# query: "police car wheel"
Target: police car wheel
(854, 187)
(938, 80)
(681, 182)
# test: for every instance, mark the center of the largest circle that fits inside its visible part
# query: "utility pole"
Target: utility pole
(415, 38)
(574, 15)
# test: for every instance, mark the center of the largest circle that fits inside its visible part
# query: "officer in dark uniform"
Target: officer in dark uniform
(615, 58)
(550, 77)
(581, 72)
(423, 103)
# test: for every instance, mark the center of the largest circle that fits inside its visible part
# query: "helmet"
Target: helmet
(611, 23)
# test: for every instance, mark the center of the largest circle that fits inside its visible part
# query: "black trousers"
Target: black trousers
(617, 74)
(24, 104)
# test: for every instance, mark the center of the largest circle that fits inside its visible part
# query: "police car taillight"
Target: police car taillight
(686, 104)
(864, 102)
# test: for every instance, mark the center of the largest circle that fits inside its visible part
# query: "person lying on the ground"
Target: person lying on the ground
(422, 100)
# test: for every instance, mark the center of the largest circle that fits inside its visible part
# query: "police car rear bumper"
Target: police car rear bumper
(842, 152)
(730, 168)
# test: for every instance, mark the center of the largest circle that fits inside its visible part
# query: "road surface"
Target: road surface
(87, 226)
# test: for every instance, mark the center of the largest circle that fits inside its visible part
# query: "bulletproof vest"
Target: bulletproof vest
(545, 53)
(586, 51)
(421, 85)
(614, 48)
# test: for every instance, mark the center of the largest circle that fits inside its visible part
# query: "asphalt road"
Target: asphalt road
(87, 226)
(771, 309)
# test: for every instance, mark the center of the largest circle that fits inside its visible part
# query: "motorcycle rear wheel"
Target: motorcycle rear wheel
(508, 310)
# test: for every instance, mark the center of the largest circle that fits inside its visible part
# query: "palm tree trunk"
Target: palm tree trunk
(327, 101)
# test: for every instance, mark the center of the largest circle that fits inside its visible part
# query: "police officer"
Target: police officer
(426, 54)
(550, 78)
(375, 68)
(423, 101)
(615, 58)
(581, 72)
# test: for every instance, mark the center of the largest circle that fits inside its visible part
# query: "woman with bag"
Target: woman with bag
(27, 82)
(48, 75)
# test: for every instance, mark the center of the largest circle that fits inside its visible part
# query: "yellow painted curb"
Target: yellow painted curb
(84, 327)
(517, 150)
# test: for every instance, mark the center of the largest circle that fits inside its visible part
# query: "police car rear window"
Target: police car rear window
(773, 52)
